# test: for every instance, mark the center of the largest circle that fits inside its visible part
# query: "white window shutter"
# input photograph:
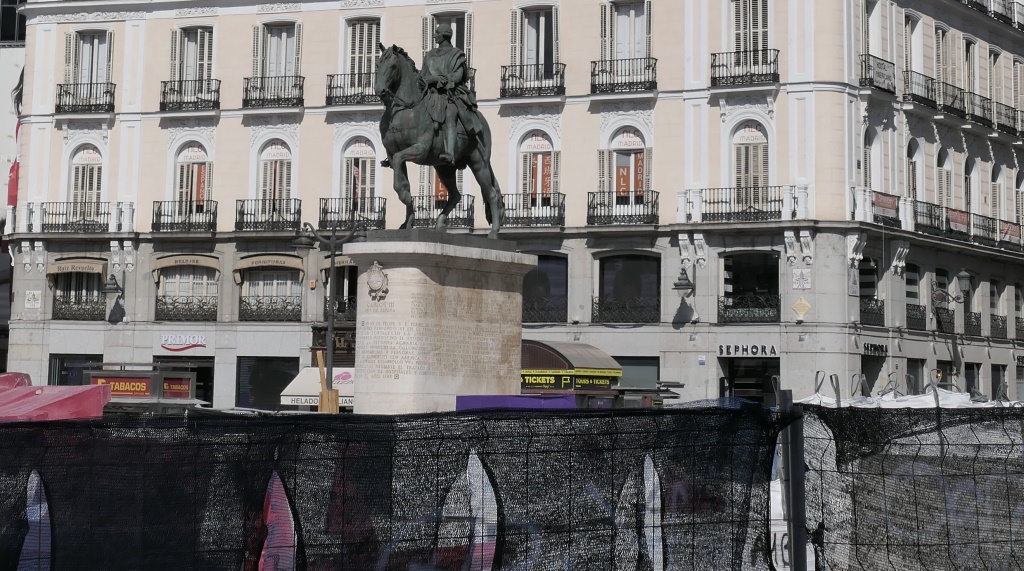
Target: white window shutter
(70, 56)
(286, 181)
(109, 69)
(459, 181)
(257, 50)
(740, 168)
(648, 24)
(908, 39)
(554, 34)
(865, 163)
(175, 52)
(526, 160)
(515, 36)
(739, 25)
(941, 187)
(995, 200)
(468, 38)
(77, 183)
(208, 192)
(296, 65)
(912, 180)
(607, 35)
(427, 34)
(424, 171)
(1019, 206)
(556, 166)
(205, 67)
(604, 168)
(371, 179)
(183, 176)
(267, 180)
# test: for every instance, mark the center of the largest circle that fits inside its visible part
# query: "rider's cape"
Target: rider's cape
(447, 60)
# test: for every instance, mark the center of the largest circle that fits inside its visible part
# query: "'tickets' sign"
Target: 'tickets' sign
(125, 386)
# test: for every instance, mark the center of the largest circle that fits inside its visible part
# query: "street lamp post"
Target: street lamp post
(332, 243)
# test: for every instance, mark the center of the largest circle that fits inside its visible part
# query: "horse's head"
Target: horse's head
(389, 71)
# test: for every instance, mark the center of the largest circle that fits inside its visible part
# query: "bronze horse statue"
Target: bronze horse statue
(409, 135)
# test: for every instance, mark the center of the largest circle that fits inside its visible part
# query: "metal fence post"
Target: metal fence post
(793, 482)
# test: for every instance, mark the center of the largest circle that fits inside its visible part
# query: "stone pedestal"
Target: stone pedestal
(438, 315)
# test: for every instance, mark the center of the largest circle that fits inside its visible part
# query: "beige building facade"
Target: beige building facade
(719, 191)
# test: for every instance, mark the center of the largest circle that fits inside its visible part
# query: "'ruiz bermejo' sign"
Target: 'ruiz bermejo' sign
(747, 351)
(177, 342)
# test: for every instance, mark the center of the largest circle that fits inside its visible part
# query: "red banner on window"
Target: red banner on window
(200, 184)
(622, 181)
(546, 173)
(1010, 233)
(959, 221)
(639, 168)
(440, 192)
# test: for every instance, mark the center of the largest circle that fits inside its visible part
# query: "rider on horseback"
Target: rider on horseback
(450, 99)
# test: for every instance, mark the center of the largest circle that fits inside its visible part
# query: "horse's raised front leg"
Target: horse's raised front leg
(448, 177)
(404, 194)
(489, 189)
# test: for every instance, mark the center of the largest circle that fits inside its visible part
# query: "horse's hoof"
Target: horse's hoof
(493, 235)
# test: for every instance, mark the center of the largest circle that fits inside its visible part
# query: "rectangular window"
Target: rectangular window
(78, 287)
(277, 50)
(360, 181)
(998, 390)
(187, 281)
(87, 57)
(912, 179)
(1018, 305)
(913, 279)
(69, 369)
(271, 283)
(995, 295)
(261, 380)
(462, 32)
(945, 65)
(363, 38)
(970, 72)
(625, 30)
(534, 37)
(194, 186)
(995, 78)
(908, 44)
(630, 169)
(191, 54)
(12, 24)
(750, 25)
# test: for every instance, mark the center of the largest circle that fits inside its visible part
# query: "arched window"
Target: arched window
(461, 24)
(917, 312)
(194, 183)
(995, 199)
(867, 159)
(944, 179)
(913, 150)
(276, 171)
(750, 167)
(1018, 198)
(546, 291)
(629, 289)
(539, 166)
(187, 293)
(359, 175)
(910, 48)
(625, 168)
(970, 168)
(87, 184)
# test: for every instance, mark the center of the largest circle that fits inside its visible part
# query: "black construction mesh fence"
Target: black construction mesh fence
(638, 490)
(916, 488)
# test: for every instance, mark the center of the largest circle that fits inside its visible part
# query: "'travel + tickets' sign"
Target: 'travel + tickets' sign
(568, 379)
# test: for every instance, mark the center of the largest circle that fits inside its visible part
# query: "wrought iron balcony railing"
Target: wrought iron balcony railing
(186, 308)
(283, 214)
(872, 311)
(190, 95)
(929, 218)
(1005, 118)
(945, 320)
(744, 67)
(885, 209)
(609, 208)
(534, 210)
(538, 309)
(532, 80)
(92, 307)
(338, 213)
(626, 310)
(750, 308)
(1018, 15)
(878, 73)
(351, 89)
(979, 109)
(972, 323)
(997, 326)
(984, 230)
(85, 98)
(344, 309)
(951, 99)
(743, 204)
(427, 209)
(917, 317)
(1002, 10)
(181, 216)
(270, 308)
(919, 88)
(86, 217)
(979, 5)
(624, 75)
(279, 91)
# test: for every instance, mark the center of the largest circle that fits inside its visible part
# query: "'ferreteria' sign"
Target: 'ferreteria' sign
(568, 379)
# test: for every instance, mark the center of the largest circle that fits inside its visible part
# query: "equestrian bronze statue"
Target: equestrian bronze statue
(431, 118)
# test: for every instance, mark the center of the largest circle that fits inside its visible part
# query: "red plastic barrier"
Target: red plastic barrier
(53, 403)
(11, 380)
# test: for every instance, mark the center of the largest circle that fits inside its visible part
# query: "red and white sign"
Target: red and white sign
(886, 205)
(1010, 232)
(125, 386)
(178, 343)
(959, 221)
(177, 388)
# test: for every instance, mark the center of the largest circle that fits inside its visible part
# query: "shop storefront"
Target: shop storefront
(747, 371)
